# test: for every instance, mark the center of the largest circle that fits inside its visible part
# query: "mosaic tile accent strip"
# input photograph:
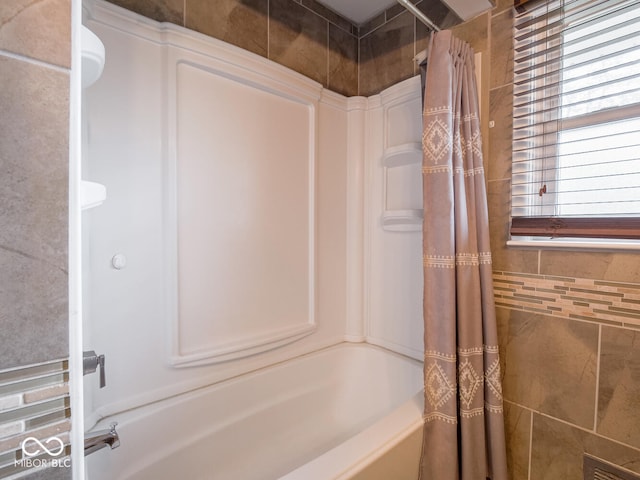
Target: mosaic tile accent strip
(611, 303)
(34, 404)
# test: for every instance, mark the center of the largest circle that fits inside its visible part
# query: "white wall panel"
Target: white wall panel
(393, 220)
(298, 203)
(244, 182)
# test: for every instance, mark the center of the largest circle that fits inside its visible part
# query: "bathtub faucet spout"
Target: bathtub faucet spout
(94, 441)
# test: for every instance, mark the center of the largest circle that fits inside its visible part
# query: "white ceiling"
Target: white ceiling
(359, 11)
(467, 9)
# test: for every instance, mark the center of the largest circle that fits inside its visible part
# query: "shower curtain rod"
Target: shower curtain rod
(418, 14)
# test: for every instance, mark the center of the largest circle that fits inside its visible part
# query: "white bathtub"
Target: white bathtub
(326, 415)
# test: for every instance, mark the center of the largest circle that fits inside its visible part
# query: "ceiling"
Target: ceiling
(359, 11)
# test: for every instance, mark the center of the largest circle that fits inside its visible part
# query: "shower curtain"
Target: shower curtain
(463, 418)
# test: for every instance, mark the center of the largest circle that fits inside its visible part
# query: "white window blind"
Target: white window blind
(576, 135)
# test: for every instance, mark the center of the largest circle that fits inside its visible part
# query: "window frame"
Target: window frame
(531, 228)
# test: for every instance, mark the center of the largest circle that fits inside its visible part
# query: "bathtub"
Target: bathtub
(326, 415)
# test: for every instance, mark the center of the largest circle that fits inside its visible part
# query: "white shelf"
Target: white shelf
(402, 186)
(402, 220)
(92, 57)
(92, 194)
(401, 155)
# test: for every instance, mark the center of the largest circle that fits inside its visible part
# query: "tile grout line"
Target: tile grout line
(380, 26)
(530, 446)
(489, 180)
(572, 425)
(415, 41)
(595, 321)
(597, 389)
(498, 87)
(328, 51)
(38, 364)
(329, 20)
(358, 66)
(34, 61)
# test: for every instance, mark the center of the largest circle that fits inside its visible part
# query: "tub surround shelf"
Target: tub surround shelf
(92, 194)
(402, 186)
(92, 57)
(402, 155)
(402, 220)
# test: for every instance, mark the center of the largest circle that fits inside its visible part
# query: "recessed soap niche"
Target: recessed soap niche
(403, 188)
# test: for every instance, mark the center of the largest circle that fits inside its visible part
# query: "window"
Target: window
(576, 136)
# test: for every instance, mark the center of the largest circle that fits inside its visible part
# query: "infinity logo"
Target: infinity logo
(55, 450)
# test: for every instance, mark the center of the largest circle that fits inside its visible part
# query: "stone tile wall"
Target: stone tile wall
(571, 380)
(35, 59)
(34, 151)
(311, 39)
(568, 321)
(390, 41)
(300, 34)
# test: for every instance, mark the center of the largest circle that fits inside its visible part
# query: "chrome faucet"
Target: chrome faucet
(94, 441)
(90, 363)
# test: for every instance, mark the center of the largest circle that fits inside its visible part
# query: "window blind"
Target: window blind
(576, 134)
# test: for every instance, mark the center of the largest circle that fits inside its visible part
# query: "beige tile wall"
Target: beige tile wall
(567, 321)
(311, 39)
(390, 41)
(35, 57)
(34, 155)
(571, 384)
(300, 34)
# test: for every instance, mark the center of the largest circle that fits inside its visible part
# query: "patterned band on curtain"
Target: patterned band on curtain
(464, 427)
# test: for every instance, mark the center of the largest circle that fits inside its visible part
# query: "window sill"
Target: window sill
(586, 244)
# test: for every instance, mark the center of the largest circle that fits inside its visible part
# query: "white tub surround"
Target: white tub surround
(356, 160)
(244, 223)
(227, 186)
(393, 220)
(349, 402)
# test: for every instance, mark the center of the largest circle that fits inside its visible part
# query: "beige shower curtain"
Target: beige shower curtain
(463, 429)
